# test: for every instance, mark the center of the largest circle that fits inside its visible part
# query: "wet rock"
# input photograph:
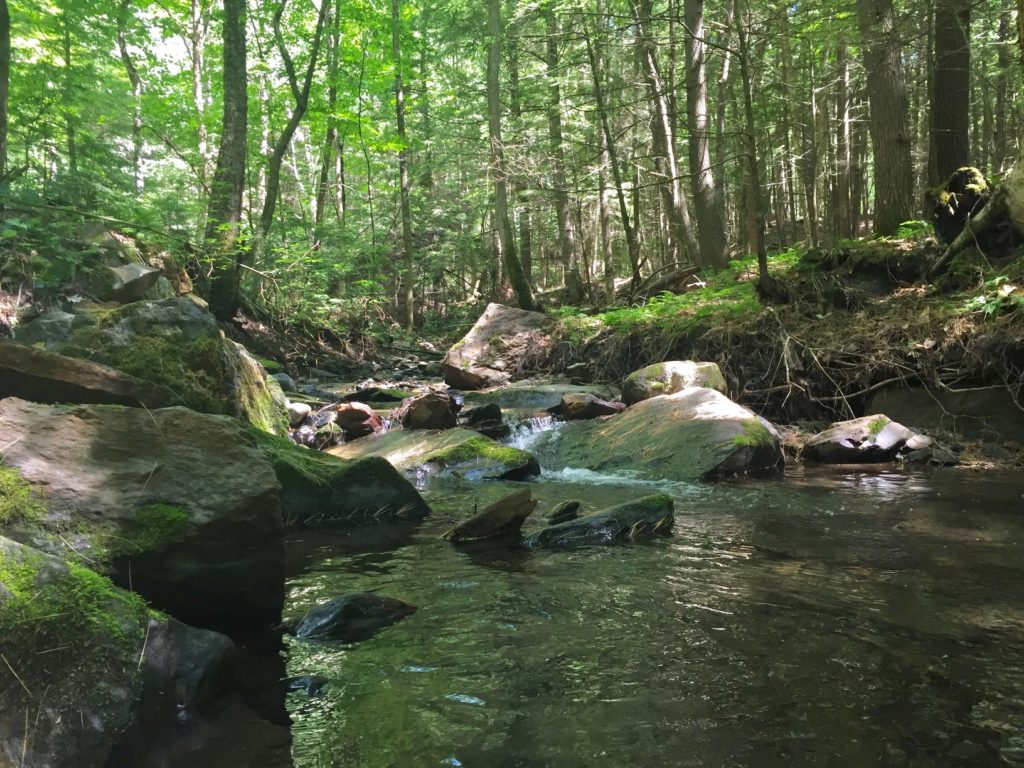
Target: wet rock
(495, 347)
(690, 435)
(287, 382)
(319, 489)
(502, 519)
(434, 410)
(932, 455)
(868, 439)
(458, 452)
(583, 405)
(670, 377)
(357, 420)
(91, 660)
(49, 329)
(485, 413)
(564, 512)
(46, 377)
(351, 618)
(375, 394)
(297, 413)
(496, 430)
(311, 685)
(177, 505)
(328, 435)
(537, 397)
(647, 516)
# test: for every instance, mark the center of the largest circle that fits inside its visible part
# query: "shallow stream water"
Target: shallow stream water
(835, 617)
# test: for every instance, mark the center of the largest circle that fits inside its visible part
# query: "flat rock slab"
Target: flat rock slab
(695, 434)
(179, 505)
(490, 354)
(867, 440)
(459, 452)
(46, 377)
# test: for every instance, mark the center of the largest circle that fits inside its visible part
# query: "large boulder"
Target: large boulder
(490, 354)
(632, 520)
(85, 661)
(459, 452)
(434, 410)
(177, 505)
(670, 377)
(868, 439)
(320, 489)
(45, 377)
(176, 344)
(690, 435)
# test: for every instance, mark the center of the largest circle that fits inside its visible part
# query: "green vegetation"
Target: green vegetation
(877, 425)
(150, 528)
(19, 501)
(755, 435)
(483, 450)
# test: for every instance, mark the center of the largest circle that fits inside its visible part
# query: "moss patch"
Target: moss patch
(19, 501)
(150, 528)
(755, 435)
(877, 425)
(481, 449)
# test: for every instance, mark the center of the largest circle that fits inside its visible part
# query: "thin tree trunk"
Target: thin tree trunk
(5, 81)
(68, 95)
(331, 137)
(403, 168)
(755, 199)
(843, 215)
(499, 173)
(1000, 154)
(136, 83)
(224, 217)
(197, 40)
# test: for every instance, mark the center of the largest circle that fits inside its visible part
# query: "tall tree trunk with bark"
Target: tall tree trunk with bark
(136, 82)
(5, 81)
(499, 172)
(197, 49)
(951, 87)
(890, 136)
(403, 168)
(224, 216)
(330, 147)
(70, 130)
(706, 198)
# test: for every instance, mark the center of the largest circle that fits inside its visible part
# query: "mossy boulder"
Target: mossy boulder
(459, 452)
(868, 439)
(178, 505)
(46, 377)
(176, 344)
(493, 350)
(640, 518)
(321, 489)
(670, 377)
(85, 661)
(536, 397)
(694, 434)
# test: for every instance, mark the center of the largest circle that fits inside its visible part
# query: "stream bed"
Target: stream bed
(835, 617)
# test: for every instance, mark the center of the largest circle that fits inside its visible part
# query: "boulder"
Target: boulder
(375, 394)
(632, 520)
(491, 353)
(502, 519)
(46, 377)
(866, 440)
(297, 413)
(670, 377)
(177, 505)
(356, 419)
(484, 414)
(535, 397)
(85, 661)
(575, 406)
(126, 283)
(434, 410)
(690, 435)
(459, 452)
(321, 489)
(177, 344)
(46, 330)
(287, 382)
(351, 618)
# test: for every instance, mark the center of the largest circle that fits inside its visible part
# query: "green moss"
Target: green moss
(755, 434)
(271, 366)
(877, 425)
(480, 448)
(296, 465)
(19, 501)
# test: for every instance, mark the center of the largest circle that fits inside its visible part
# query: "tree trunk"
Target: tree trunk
(951, 112)
(499, 173)
(1000, 153)
(706, 197)
(843, 215)
(5, 81)
(403, 168)
(754, 193)
(136, 83)
(890, 139)
(197, 40)
(327, 156)
(68, 95)
(224, 216)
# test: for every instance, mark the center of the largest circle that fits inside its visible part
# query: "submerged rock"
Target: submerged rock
(87, 661)
(564, 512)
(46, 377)
(501, 519)
(352, 618)
(459, 452)
(690, 435)
(642, 517)
(434, 410)
(311, 685)
(177, 505)
(320, 489)
(866, 440)
(670, 377)
(495, 347)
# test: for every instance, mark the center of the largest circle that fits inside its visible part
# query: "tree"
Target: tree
(951, 87)
(403, 165)
(5, 81)
(224, 216)
(890, 134)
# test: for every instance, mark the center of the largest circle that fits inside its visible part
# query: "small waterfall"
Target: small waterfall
(527, 432)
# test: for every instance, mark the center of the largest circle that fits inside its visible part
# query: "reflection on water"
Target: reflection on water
(834, 618)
